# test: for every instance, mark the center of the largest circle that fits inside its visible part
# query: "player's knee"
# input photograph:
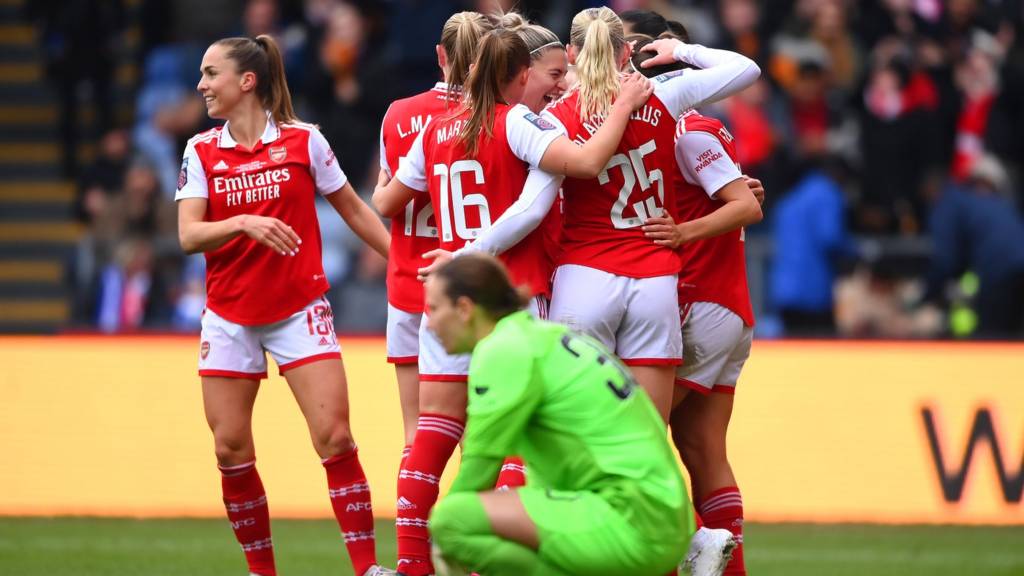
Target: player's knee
(233, 449)
(333, 440)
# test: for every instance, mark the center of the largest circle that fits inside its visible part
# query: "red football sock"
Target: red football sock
(350, 498)
(512, 475)
(723, 508)
(436, 439)
(246, 504)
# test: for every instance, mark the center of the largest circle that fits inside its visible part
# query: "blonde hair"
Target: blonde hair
(537, 38)
(262, 57)
(598, 35)
(460, 38)
(503, 54)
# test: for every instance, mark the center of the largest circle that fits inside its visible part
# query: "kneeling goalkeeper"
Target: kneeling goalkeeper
(604, 494)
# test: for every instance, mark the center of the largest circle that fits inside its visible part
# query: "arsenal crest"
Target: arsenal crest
(278, 154)
(204, 350)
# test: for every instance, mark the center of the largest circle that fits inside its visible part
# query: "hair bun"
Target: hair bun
(512, 21)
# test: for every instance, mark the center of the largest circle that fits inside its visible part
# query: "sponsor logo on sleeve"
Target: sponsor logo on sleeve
(183, 173)
(330, 157)
(539, 122)
(668, 76)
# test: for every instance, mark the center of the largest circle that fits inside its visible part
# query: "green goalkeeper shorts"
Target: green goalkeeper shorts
(590, 533)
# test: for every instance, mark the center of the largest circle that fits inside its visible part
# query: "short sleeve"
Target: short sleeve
(704, 162)
(192, 177)
(327, 173)
(502, 397)
(383, 153)
(412, 169)
(529, 135)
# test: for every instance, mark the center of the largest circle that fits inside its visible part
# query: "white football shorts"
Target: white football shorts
(716, 345)
(238, 351)
(636, 318)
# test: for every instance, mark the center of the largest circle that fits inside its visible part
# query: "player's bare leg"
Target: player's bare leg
(659, 382)
(699, 431)
(408, 398)
(321, 390)
(228, 405)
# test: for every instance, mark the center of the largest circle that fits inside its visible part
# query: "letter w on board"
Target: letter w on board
(983, 430)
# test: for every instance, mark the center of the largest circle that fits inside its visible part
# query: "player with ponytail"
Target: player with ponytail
(246, 200)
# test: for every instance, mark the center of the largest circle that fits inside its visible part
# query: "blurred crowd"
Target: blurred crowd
(886, 133)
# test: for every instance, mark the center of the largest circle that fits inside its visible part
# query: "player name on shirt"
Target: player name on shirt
(251, 187)
(450, 131)
(648, 114)
(416, 124)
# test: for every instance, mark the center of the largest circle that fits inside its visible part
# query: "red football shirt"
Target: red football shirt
(414, 230)
(469, 193)
(602, 217)
(247, 282)
(714, 269)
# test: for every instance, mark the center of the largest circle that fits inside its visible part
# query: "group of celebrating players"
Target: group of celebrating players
(616, 211)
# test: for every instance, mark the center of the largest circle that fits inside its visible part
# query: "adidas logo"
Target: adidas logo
(324, 342)
(222, 165)
(405, 504)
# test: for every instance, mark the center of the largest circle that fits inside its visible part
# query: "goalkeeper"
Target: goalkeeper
(603, 493)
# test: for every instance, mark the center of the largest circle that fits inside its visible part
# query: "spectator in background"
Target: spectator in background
(975, 227)
(899, 132)
(166, 110)
(349, 96)
(809, 227)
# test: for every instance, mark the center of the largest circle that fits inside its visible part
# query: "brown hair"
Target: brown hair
(503, 54)
(537, 38)
(460, 37)
(262, 57)
(638, 57)
(484, 280)
(597, 34)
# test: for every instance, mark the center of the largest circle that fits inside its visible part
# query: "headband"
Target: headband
(548, 45)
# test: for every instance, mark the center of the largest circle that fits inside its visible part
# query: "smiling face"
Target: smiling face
(220, 83)
(547, 80)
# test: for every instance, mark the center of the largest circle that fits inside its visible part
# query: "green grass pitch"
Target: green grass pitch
(114, 547)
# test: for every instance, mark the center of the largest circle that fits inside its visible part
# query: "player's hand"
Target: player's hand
(272, 233)
(441, 257)
(634, 91)
(665, 47)
(756, 187)
(663, 231)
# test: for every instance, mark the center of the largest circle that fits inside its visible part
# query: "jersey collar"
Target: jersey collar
(270, 133)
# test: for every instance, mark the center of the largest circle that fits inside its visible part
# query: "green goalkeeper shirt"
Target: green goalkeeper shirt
(572, 411)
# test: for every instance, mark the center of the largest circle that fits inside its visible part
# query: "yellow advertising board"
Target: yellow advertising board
(822, 431)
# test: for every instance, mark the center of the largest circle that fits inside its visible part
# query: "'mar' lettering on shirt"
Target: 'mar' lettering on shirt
(450, 131)
(252, 187)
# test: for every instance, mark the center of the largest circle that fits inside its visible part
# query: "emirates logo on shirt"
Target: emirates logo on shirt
(278, 154)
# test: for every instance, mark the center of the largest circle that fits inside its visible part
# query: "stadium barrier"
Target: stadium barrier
(822, 432)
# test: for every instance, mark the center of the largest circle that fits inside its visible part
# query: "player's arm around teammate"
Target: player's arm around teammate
(560, 156)
(246, 199)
